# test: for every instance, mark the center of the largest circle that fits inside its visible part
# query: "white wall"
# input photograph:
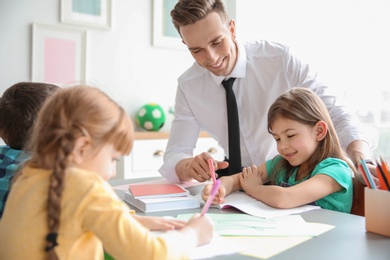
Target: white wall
(121, 61)
(348, 40)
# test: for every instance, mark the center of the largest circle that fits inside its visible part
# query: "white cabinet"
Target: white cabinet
(208, 144)
(148, 152)
(145, 159)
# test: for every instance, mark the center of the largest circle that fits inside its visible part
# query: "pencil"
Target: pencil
(383, 183)
(385, 170)
(361, 170)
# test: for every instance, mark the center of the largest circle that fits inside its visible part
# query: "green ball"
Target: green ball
(151, 117)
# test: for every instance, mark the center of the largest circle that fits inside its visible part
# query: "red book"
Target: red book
(144, 191)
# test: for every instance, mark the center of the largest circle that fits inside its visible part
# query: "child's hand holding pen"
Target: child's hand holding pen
(202, 226)
(228, 185)
(219, 196)
(214, 189)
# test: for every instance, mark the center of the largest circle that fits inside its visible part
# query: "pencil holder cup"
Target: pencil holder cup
(377, 211)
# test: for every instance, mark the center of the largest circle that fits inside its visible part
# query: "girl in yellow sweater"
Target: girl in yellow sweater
(60, 205)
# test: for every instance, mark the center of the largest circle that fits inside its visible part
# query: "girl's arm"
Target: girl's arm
(123, 235)
(232, 183)
(228, 185)
(253, 176)
(160, 223)
(303, 193)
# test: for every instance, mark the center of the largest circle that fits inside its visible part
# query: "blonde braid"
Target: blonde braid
(56, 186)
(69, 114)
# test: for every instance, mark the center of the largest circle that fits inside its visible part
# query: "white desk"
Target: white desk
(348, 240)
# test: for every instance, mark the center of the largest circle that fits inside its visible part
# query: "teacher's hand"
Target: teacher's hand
(197, 168)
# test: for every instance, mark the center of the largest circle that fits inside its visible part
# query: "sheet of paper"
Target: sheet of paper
(247, 225)
(217, 247)
(266, 247)
(262, 246)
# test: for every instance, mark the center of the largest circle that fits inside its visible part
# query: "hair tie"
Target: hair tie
(51, 238)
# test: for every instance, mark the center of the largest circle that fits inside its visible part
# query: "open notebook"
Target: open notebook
(247, 204)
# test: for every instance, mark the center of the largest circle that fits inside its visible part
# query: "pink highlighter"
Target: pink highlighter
(212, 170)
(211, 197)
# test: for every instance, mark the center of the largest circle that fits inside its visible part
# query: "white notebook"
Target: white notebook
(249, 205)
(162, 204)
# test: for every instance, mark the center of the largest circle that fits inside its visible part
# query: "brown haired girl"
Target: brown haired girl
(311, 166)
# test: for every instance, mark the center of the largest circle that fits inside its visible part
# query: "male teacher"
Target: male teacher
(226, 75)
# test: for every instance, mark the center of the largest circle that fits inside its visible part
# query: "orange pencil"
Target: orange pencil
(383, 183)
(385, 170)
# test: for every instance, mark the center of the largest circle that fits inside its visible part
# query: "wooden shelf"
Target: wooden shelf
(138, 135)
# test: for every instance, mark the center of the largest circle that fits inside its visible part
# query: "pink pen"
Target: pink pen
(211, 197)
(212, 171)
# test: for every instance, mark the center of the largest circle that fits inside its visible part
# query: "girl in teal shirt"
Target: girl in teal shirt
(311, 167)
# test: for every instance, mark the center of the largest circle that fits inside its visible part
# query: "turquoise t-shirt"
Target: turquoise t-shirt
(333, 167)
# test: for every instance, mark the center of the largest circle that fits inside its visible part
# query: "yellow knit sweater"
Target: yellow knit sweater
(92, 218)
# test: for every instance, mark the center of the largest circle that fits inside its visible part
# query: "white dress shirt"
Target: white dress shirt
(264, 70)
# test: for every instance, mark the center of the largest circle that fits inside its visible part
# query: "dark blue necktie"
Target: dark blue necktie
(233, 128)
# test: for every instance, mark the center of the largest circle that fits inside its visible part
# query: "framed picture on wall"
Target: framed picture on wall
(164, 32)
(90, 13)
(58, 54)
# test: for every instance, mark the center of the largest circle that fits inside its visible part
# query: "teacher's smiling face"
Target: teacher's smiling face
(212, 43)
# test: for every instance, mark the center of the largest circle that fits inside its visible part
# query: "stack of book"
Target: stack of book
(160, 197)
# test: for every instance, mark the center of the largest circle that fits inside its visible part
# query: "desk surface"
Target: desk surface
(348, 240)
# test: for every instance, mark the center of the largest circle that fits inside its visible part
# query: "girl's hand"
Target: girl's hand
(203, 227)
(219, 197)
(250, 178)
(160, 223)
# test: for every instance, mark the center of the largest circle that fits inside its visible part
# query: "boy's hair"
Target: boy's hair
(305, 106)
(69, 114)
(188, 12)
(19, 108)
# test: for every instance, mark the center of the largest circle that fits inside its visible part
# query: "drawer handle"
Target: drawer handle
(158, 153)
(212, 150)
